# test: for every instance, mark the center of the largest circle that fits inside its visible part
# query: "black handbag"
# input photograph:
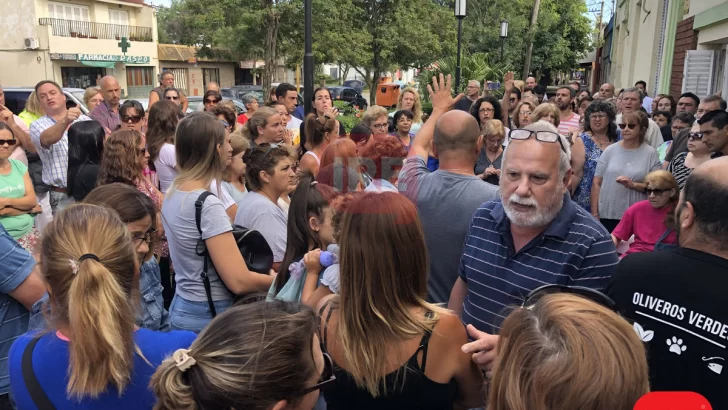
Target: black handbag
(253, 247)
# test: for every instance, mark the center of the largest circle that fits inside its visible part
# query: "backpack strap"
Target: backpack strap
(206, 256)
(39, 397)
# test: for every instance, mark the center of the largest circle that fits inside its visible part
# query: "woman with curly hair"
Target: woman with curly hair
(125, 158)
(409, 100)
(485, 109)
(163, 120)
(382, 161)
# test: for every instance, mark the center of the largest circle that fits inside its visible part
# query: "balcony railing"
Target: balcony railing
(86, 29)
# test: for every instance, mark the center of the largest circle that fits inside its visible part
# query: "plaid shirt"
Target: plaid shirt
(106, 116)
(54, 158)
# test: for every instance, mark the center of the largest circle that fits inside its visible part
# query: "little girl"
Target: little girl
(309, 231)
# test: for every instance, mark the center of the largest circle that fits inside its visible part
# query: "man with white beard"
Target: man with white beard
(534, 235)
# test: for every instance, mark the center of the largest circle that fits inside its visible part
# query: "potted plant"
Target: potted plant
(74, 34)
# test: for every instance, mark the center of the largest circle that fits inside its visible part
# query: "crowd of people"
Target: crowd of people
(554, 252)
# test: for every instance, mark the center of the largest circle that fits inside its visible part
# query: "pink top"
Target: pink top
(19, 153)
(572, 122)
(647, 224)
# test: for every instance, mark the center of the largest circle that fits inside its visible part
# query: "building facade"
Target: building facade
(76, 42)
(191, 73)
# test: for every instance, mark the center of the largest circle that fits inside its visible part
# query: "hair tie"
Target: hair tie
(76, 263)
(183, 360)
(313, 183)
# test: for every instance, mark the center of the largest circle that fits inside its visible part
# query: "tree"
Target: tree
(473, 67)
(561, 38)
(401, 34)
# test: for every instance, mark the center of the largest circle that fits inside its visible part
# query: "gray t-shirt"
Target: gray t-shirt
(446, 202)
(178, 218)
(255, 211)
(616, 161)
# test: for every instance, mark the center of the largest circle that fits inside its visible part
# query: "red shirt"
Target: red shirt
(242, 118)
(647, 224)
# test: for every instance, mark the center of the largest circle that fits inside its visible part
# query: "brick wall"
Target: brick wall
(685, 39)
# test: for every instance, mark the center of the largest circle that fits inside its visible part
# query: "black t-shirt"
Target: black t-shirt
(677, 302)
(464, 104)
(85, 181)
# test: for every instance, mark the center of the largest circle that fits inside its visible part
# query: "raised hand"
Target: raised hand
(508, 80)
(441, 94)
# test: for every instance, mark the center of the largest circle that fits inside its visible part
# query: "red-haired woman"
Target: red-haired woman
(382, 161)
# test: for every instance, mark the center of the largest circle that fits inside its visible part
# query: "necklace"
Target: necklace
(601, 143)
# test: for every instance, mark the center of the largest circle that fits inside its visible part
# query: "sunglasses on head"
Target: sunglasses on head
(326, 377)
(630, 126)
(133, 118)
(270, 147)
(543, 136)
(172, 98)
(215, 101)
(9, 142)
(593, 295)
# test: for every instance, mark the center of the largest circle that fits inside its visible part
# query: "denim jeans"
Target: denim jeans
(60, 201)
(193, 316)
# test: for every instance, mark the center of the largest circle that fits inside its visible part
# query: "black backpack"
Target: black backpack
(252, 245)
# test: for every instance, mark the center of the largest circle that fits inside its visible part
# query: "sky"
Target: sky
(159, 2)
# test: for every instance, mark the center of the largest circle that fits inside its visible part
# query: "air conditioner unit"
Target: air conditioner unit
(32, 43)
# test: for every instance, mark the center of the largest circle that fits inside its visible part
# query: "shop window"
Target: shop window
(211, 74)
(81, 77)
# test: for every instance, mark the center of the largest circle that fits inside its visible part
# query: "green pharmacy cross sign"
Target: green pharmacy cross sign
(124, 45)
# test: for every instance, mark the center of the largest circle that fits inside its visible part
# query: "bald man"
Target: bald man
(212, 86)
(531, 82)
(606, 91)
(446, 198)
(107, 113)
(687, 352)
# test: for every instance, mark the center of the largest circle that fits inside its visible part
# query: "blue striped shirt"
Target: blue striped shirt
(55, 157)
(575, 249)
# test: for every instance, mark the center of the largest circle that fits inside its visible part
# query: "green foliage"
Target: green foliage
(472, 67)
(561, 39)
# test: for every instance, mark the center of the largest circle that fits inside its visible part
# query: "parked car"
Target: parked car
(349, 95)
(358, 85)
(15, 98)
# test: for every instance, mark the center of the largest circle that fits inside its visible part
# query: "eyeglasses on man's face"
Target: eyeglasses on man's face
(131, 118)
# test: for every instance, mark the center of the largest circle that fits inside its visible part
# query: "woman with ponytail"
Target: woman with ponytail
(320, 134)
(94, 355)
(309, 232)
(259, 356)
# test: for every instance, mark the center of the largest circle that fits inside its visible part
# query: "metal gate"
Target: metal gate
(180, 78)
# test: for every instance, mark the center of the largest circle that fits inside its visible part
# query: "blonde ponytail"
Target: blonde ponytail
(172, 388)
(90, 265)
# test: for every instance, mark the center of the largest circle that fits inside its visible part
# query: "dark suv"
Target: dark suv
(349, 95)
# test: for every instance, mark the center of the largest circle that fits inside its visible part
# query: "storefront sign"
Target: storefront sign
(101, 57)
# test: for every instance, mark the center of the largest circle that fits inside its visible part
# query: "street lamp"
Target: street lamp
(503, 35)
(460, 14)
(307, 56)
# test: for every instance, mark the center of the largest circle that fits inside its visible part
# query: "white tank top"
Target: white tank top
(313, 154)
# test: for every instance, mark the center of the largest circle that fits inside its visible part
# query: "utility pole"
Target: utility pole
(534, 21)
(307, 56)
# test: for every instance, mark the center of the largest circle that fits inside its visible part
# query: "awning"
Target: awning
(101, 64)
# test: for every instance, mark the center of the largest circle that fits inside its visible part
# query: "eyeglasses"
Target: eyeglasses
(380, 126)
(630, 126)
(326, 377)
(215, 101)
(693, 136)
(270, 147)
(598, 116)
(593, 295)
(486, 110)
(172, 98)
(525, 112)
(141, 152)
(147, 237)
(657, 192)
(543, 136)
(133, 118)
(9, 142)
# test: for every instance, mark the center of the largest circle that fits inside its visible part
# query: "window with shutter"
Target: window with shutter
(120, 21)
(698, 74)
